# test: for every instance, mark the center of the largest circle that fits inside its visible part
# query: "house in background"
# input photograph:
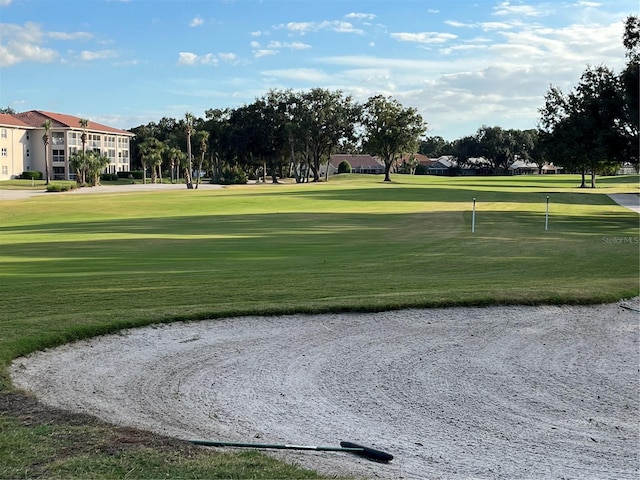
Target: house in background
(521, 167)
(412, 163)
(359, 163)
(442, 165)
(22, 148)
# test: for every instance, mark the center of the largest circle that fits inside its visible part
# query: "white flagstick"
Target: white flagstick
(473, 217)
(546, 217)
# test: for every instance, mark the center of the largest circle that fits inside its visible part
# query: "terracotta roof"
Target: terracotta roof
(36, 118)
(422, 159)
(10, 120)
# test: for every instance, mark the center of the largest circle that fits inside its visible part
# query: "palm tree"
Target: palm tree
(203, 138)
(175, 156)
(78, 161)
(188, 120)
(84, 124)
(46, 139)
(151, 154)
(96, 162)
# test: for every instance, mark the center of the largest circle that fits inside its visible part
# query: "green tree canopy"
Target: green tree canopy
(390, 130)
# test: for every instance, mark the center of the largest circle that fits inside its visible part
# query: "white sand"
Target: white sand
(506, 392)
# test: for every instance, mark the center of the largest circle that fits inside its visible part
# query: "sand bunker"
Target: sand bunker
(507, 392)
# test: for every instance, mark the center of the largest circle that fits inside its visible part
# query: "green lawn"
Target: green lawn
(72, 266)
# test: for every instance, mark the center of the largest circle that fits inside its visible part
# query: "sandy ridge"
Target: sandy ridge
(505, 392)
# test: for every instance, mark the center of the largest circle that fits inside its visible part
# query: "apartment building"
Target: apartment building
(22, 148)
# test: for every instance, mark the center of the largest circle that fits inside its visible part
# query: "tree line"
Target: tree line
(591, 129)
(281, 134)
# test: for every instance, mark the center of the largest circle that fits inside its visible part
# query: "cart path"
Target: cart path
(501, 392)
(628, 200)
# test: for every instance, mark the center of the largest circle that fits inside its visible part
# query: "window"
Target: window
(28, 153)
(57, 156)
(3, 133)
(57, 138)
(3, 152)
(94, 140)
(111, 142)
(74, 138)
(58, 173)
(112, 155)
(5, 170)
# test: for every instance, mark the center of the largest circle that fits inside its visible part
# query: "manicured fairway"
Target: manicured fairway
(74, 265)
(77, 264)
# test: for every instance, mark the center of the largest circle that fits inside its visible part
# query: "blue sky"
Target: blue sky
(462, 64)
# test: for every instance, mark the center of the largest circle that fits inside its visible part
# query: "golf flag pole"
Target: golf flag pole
(546, 216)
(473, 216)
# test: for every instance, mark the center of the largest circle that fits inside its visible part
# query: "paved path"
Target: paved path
(138, 187)
(629, 200)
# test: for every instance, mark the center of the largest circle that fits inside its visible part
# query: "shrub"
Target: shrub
(60, 187)
(230, 176)
(344, 167)
(124, 175)
(109, 177)
(137, 174)
(422, 170)
(31, 175)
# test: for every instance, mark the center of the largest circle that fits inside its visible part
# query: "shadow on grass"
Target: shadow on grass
(222, 239)
(457, 194)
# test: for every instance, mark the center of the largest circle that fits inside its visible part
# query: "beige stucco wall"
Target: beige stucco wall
(16, 144)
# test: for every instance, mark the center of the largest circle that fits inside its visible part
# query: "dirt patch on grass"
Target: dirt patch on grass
(30, 412)
(501, 392)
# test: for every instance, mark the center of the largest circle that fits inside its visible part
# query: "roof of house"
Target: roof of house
(12, 121)
(551, 166)
(36, 118)
(356, 161)
(422, 159)
(522, 164)
(445, 161)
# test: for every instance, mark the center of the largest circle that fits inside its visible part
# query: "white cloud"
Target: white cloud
(264, 52)
(274, 47)
(455, 23)
(292, 45)
(490, 26)
(588, 4)
(88, 55)
(505, 8)
(228, 57)
(498, 80)
(187, 58)
(23, 44)
(310, 75)
(70, 35)
(424, 37)
(302, 28)
(197, 21)
(192, 59)
(5, 3)
(360, 16)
